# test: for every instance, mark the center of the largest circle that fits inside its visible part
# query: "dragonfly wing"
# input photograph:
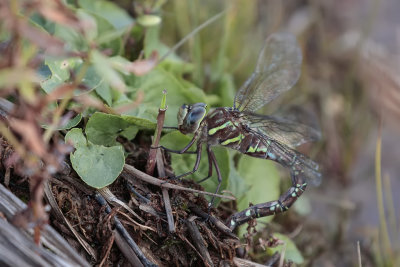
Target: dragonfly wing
(309, 169)
(278, 69)
(284, 131)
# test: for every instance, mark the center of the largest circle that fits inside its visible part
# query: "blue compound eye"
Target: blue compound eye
(190, 117)
(196, 114)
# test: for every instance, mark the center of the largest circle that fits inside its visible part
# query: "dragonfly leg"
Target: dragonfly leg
(175, 151)
(271, 207)
(210, 165)
(183, 150)
(196, 165)
(219, 176)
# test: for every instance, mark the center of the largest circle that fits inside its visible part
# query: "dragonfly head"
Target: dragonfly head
(190, 116)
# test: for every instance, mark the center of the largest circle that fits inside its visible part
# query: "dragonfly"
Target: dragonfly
(268, 137)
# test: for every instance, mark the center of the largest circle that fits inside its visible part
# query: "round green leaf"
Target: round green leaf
(98, 166)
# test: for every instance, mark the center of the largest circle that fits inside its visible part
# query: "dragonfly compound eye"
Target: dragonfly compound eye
(196, 115)
(189, 117)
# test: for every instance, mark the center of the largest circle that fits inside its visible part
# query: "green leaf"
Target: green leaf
(98, 166)
(61, 71)
(68, 125)
(42, 22)
(262, 180)
(237, 186)
(60, 68)
(103, 129)
(115, 15)
(140, 122)
(291, 252)
(90, 29)
(74, 40)
(76, 138)
(103, 66)
(107, 36)
(185, 162)
(105, 92)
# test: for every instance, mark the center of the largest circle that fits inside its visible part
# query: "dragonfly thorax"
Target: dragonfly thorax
(190, 117)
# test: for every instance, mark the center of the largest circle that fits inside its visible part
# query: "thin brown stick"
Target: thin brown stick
(107, 253)
(246, 263)
(111, 198)
(168, 210)
(199, 242)
(154, 181)
(135, 223)
(167, 202)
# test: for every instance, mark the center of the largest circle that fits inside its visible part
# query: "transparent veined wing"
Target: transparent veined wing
(277, 70)
(287, 132)
(310, 169)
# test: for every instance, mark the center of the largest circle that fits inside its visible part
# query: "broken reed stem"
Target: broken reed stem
(151, 162)
(167, 202)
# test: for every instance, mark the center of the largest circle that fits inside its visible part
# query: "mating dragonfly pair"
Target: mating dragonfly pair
(267, 137)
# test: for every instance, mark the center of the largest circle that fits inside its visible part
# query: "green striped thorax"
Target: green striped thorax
(190, 117)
